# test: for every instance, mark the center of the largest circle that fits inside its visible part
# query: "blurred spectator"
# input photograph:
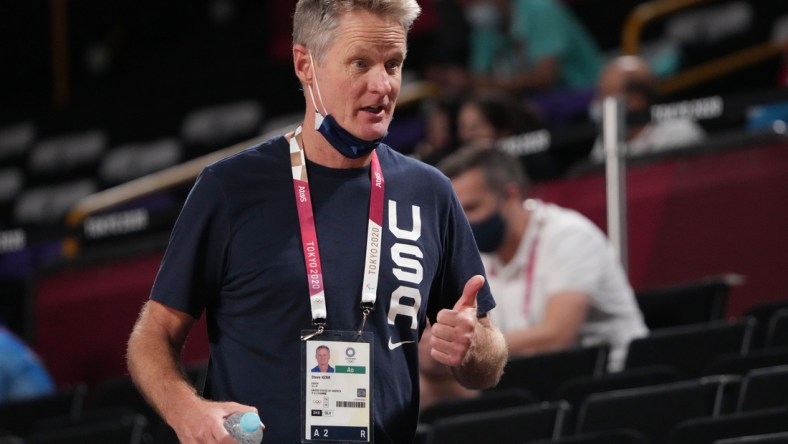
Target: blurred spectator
(445, 48)
(440, 130)
(480, 119)
(631, 78)
(490, 116)
(554, 277)
(529, 45)
(22, 375)
(447, 59)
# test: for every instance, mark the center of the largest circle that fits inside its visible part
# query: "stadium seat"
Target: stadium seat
(113, 426)
(690, 348)
(507, 426)
(762, 312)
(15, 141)
(492, 400)
(66, 157)
(121, 393)
(777, 332)
(764, 388)
(767, 438)
(738, 364)
(654, 410)
(684, 304)
(49, 204)
(133, 160)
(605, 437)
(542, 373)
(19, 417)
(711, 430)
(211, 128)
(576, 390)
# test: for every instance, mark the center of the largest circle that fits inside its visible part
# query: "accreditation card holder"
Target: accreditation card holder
(336, 387)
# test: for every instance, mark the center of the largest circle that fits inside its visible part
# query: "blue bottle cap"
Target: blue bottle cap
(250, 422)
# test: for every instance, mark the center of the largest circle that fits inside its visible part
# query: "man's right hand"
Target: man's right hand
(203, 422)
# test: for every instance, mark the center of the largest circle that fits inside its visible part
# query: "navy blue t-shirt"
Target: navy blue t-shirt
(236, 254)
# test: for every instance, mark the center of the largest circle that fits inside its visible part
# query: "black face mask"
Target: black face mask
(489, 232)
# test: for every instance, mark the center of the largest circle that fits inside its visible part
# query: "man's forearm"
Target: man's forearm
(484, 363)
(155, 367)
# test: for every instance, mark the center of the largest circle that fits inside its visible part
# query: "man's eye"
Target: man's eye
(359, 64)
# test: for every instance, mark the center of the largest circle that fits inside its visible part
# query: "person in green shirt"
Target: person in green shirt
(529, 45)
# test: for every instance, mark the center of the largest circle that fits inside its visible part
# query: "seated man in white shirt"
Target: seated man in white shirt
(555, 278)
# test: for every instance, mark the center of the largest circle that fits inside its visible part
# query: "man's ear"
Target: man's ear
(512, 191)
(302, 63)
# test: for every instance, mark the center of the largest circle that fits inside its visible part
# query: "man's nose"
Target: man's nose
(380, 81)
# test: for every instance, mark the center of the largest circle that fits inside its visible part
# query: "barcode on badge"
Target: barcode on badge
(352, 404)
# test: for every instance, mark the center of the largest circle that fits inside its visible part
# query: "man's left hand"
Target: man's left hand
(453, 333)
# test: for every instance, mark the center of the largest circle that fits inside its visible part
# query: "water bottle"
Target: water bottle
(245, 427)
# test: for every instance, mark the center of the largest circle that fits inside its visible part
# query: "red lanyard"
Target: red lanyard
(306, 220)
(529, 276)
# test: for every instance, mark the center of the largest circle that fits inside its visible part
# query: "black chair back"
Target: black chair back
(507, 426)
(541, 374)
(764, 388)
(684, 304)
(689, 349)
(654, 410)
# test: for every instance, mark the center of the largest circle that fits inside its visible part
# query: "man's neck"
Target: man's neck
(514, 235)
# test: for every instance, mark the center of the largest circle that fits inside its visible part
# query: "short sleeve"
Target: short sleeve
(576, 261)
(543, 26)
(484, 44)
(191, 272)
(460, 261)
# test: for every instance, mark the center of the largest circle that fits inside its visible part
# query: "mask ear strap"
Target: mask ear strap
(317, 87)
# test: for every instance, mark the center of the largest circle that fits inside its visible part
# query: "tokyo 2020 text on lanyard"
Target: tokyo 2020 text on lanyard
(306, 218)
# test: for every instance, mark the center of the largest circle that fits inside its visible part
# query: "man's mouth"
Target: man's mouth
(373, 109)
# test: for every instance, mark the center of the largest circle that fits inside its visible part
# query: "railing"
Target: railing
(645, 13)
(649, 12)
(186, 172)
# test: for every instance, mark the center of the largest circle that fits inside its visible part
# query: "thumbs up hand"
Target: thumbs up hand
(454, 330)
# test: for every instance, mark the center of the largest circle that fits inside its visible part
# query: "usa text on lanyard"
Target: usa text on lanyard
(306, 219)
